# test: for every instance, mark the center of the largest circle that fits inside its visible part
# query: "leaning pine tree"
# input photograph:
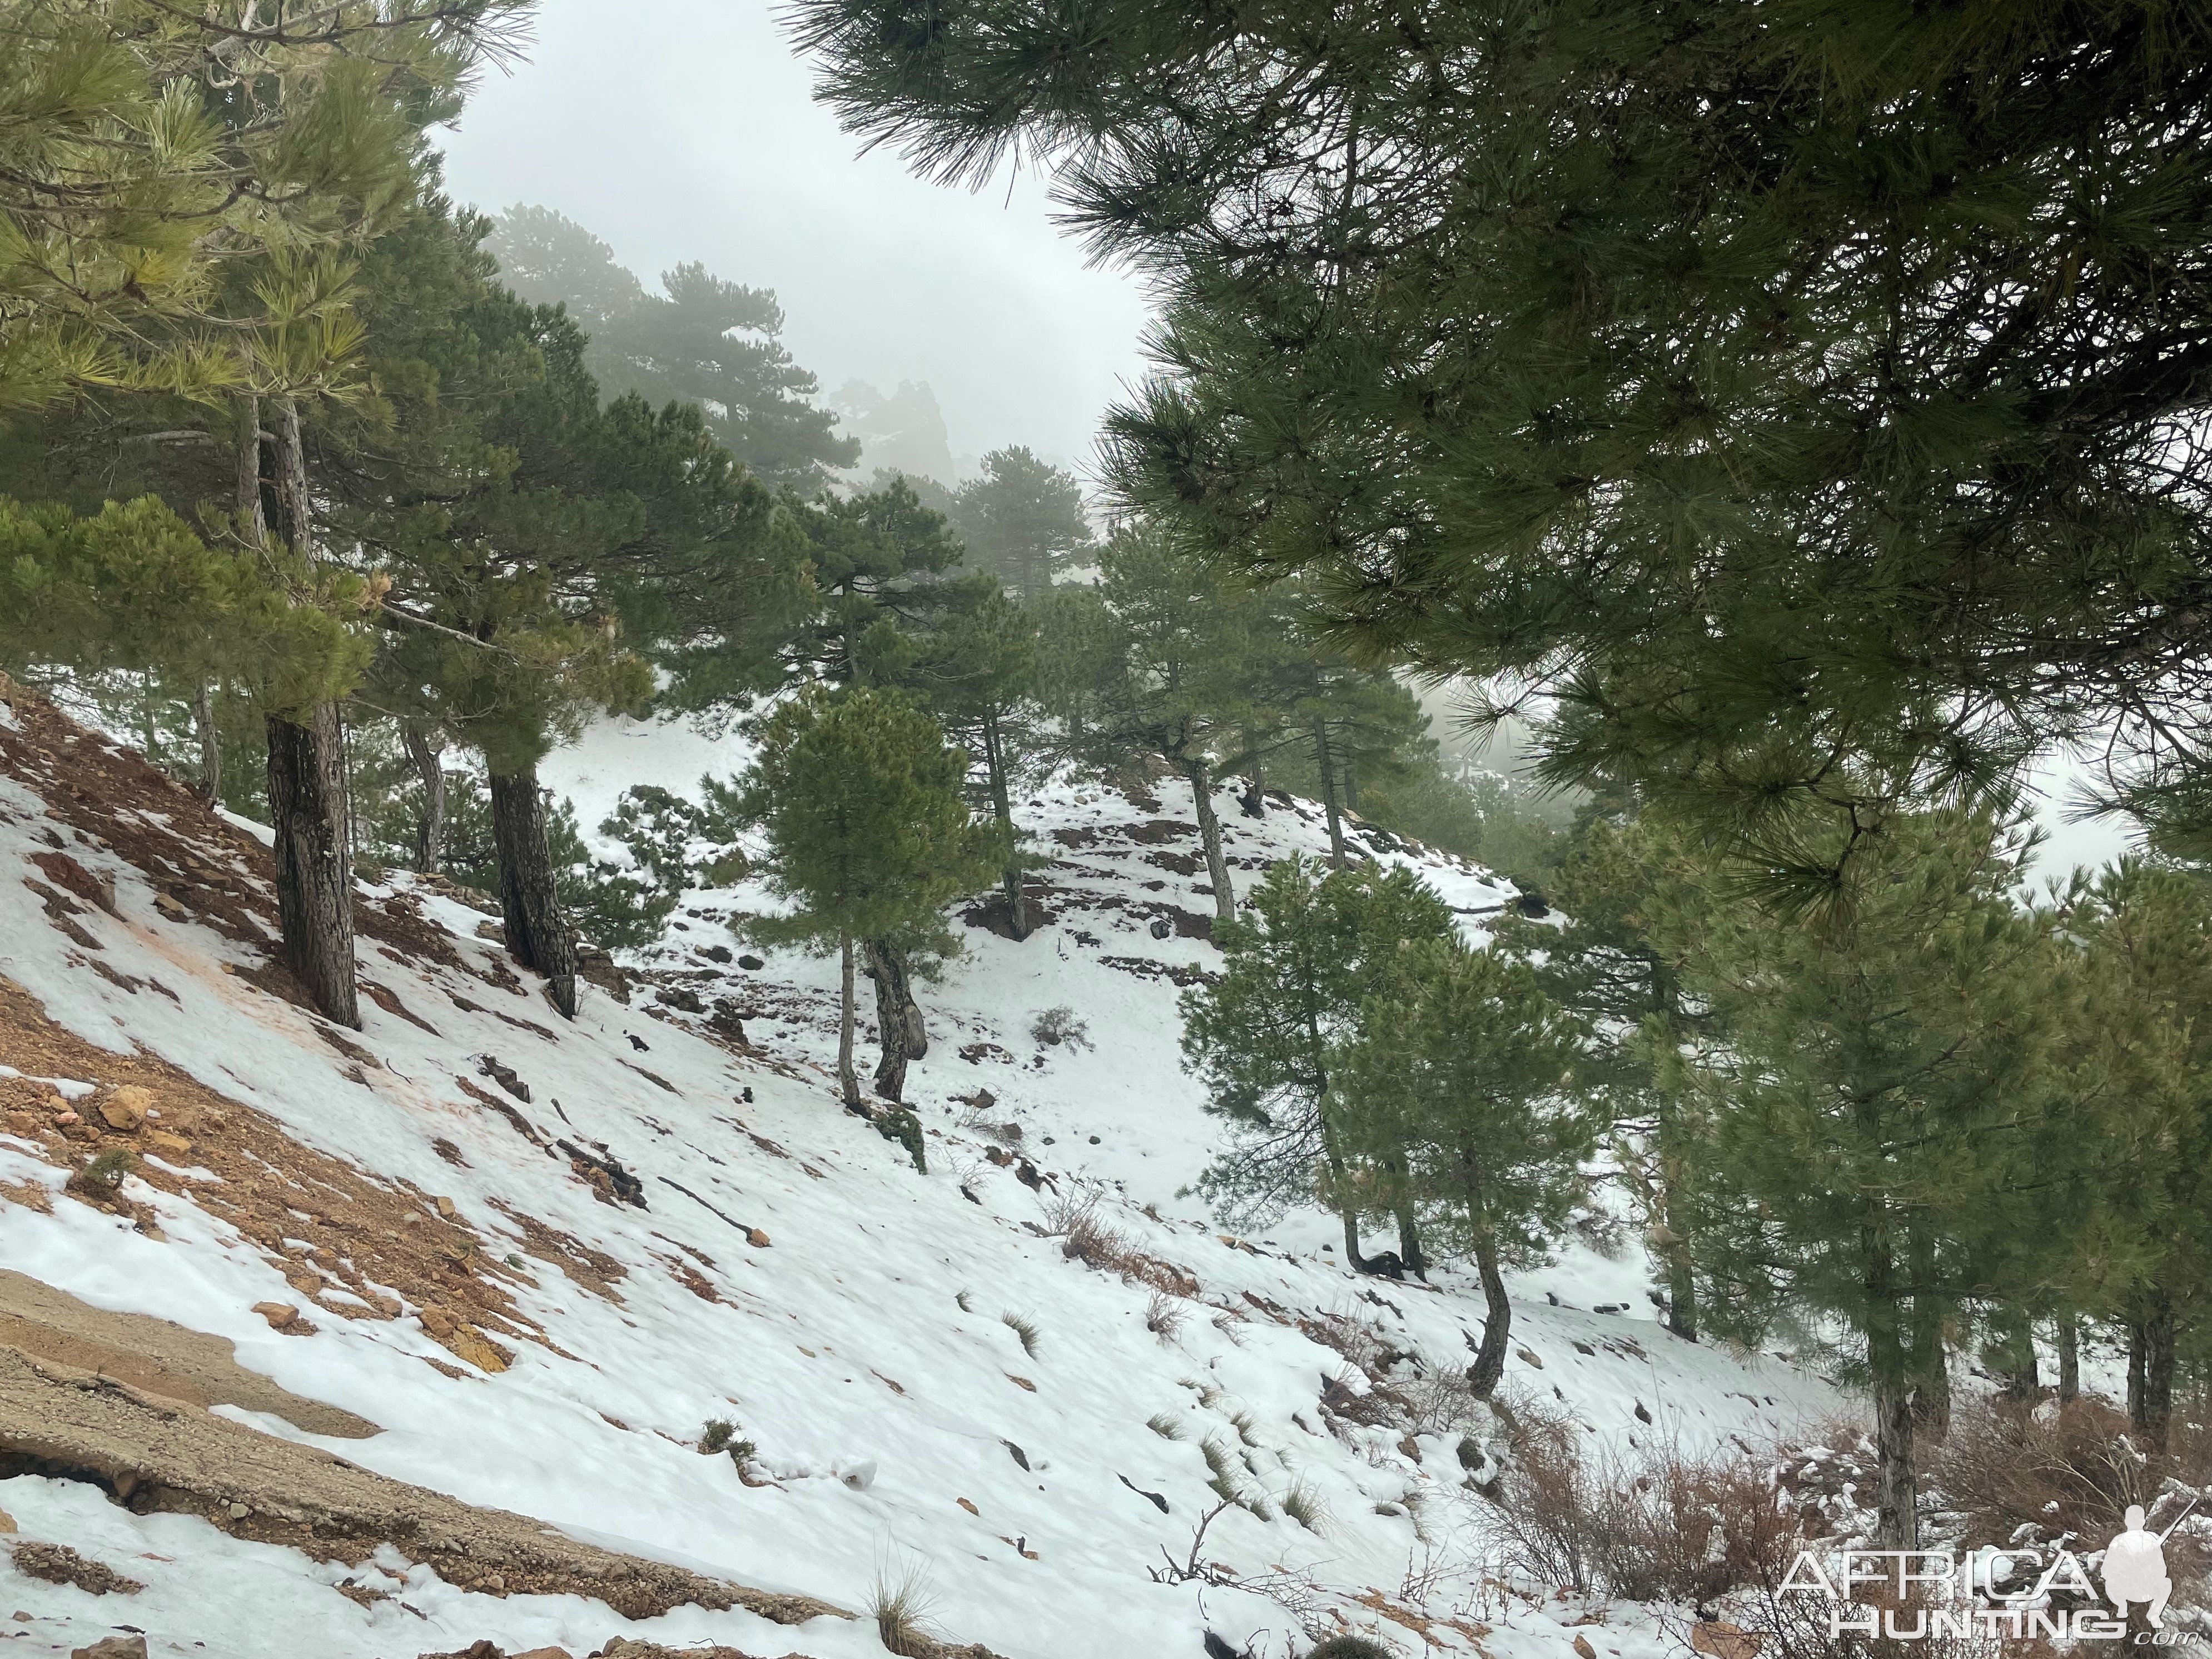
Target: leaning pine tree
(868, 834)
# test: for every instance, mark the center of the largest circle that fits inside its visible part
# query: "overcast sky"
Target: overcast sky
(685, 130)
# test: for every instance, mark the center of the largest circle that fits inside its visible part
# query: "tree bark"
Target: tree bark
(2150, 1365)
(995, 761)
(429, 766)
(254, 519)
(1352, 1255)
(1930, 1357)
(899, 1026)
(314, 866)
(849, 1082)
(1326, 766)
(1209, 833)
(1489, 1368)
(308, 810)
(538, 935)
(211, 744)
(2069, 1357)
(2021, 1382)
(1897, 1523)
(1409, 1243)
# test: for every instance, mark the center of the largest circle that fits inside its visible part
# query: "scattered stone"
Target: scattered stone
(7, 1521)
(58, 1563)
(125, 1107)
(715, 952)
(1529, 1358)
(751, 964)
(170, 908)
(445, 1208)
(1094, 1140)
(113, 1647)
(757, 1238)
(161, 1140)
(637, 1042)
(681, 998)
(239, 1512)
(1582, 1648)
(278, 1314)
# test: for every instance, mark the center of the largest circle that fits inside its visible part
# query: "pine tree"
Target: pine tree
(1752, 457)
(1298, 968)
(2145, 934)
(1024, 518)
(1462, 1083)
(701, 340)
(868, 834)
(977, 672)
(1881, 1066)
(1617, 881)
(1174, 682)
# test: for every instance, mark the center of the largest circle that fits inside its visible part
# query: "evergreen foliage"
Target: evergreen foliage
(868, 834)
(1023, 519)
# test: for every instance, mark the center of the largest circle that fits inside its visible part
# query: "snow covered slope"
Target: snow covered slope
(538, 1257)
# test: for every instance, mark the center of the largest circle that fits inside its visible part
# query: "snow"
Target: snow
(841, 1349)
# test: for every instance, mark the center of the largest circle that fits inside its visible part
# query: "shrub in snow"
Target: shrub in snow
(1058, 1025)
(720, 1437)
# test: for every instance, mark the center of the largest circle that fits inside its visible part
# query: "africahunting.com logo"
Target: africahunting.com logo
(2028, 1593)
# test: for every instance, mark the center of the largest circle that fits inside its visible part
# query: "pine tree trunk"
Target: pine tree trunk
(314, 866)
(211, 744)
(2069, 1357)
(1897, 1523)
(898, 1017)
(429, 765)
(1352, 1253)
(994, 761)
(2021, 1382)
(1930, 1356)
(1326, 766)
(1489, 1368)
(848, 1081)
(254, 523)
(538, 935)
(1209, 833)
(308, 811)
(2150, 1365)
(1409, 1243)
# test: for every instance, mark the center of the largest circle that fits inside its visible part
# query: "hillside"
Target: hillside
(397, 1341)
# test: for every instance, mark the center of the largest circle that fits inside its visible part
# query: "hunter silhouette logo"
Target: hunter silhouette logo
(2135, 1568)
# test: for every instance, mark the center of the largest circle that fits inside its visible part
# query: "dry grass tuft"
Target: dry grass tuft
(1024, 1327)
(901, 1608)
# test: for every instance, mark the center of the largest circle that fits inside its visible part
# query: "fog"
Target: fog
(683, 129)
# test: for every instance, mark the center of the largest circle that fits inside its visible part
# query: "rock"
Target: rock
(438, 1322)
(125, 1107)
(238, 1511)
(113, 1647)
(545, 1653)
(751, 964)
(756, 1238)
(1582, 1648)
(7, 1521)
(161, 1140)
(715, 952)
(1723, 1640)
(171, 907)
(445, 1208)
(1529, 1359)
(681, 998)
(278, 1314)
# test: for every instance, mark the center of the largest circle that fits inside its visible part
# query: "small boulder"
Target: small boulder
(751, 964)
(7, 1521)
(278, 1314)
(124, 1108)
(113, 1647)
(1582, 1648)
(757, 1238)
(161, 1140)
